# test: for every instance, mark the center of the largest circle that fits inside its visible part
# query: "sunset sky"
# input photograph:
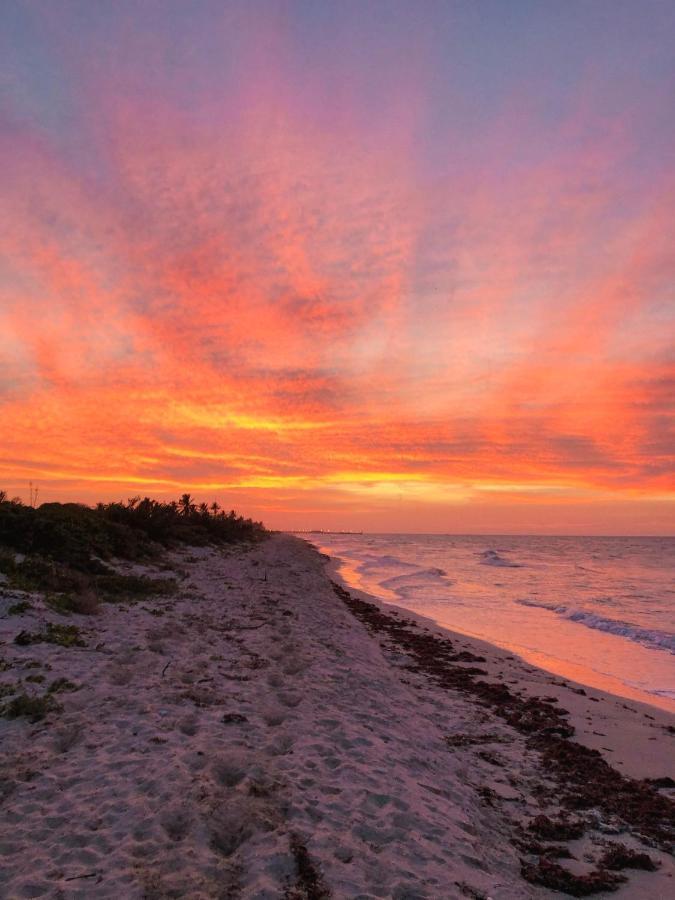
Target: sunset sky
(383, 266)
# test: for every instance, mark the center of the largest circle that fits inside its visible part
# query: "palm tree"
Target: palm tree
(186, 504)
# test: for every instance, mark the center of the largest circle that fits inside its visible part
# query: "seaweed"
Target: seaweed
(582, 779)
(618, 856)
(309, 883)
(552, 875)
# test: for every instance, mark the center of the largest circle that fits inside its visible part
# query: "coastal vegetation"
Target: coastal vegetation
(80, 536)
(64, 558)
(62, 549)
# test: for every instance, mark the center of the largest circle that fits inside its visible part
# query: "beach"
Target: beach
(266, 732)
(597, 610)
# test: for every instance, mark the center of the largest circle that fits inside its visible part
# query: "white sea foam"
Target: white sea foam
(384, 561)
(649, 637)
(421, 584)
(492, 558)
(432, 574)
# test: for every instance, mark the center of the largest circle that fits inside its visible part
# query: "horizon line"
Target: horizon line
(465, 533)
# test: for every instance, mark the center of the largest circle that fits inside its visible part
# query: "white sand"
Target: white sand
(139, 789)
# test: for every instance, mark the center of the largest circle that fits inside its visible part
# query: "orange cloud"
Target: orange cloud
(320, 315)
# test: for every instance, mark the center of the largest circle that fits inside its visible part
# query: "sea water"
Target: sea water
(598, 610)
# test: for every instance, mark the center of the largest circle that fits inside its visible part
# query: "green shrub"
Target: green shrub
(64, 635)
(62, 684)
(83, 604)
(37, 573)
(32, 708)
(16, 609)
(79, 537)
(69, 533)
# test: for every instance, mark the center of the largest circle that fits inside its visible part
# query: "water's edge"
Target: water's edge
(578, 676)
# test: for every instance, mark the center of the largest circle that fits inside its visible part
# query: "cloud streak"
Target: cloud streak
(350, 284)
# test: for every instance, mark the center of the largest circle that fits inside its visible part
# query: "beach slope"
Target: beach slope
(264, 733)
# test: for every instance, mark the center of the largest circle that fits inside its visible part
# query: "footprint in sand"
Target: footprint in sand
(280, 745)
(176, 821)
(189, 726)
(289, 698)
(273, 716)
(294, 665)
(230, 770)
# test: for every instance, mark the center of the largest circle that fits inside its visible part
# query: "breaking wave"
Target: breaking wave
(648, 637)
(420, 575)
(492, 558)
(407, 580)
(374, 561)
(421, 585)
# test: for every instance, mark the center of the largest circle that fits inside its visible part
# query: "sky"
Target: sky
(399, 266)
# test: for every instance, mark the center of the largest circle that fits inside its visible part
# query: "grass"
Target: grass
(16, 609)
(70, 591)
(59, 685)
(37, 573)
(64, 635)
(31, 707)
(84, 604)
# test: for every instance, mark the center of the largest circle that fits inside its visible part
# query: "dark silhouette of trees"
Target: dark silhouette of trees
(187, 506)
(79, 534)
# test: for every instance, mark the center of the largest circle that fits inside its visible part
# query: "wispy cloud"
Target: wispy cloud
(333, 282)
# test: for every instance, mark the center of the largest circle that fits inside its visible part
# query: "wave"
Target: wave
(374, 561)
(648, 637)
(492, 558)
(421, 575)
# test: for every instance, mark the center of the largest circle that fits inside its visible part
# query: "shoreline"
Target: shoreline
(629, 724)
(580, 675)
(263, 733)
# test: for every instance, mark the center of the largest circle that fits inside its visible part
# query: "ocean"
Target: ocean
(597, 610)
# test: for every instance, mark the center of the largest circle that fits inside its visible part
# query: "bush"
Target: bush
(84, 604)
(64, 635)
(36, 573)
(32, 708)
(62, 684)
(79, 537)
(16, 609)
